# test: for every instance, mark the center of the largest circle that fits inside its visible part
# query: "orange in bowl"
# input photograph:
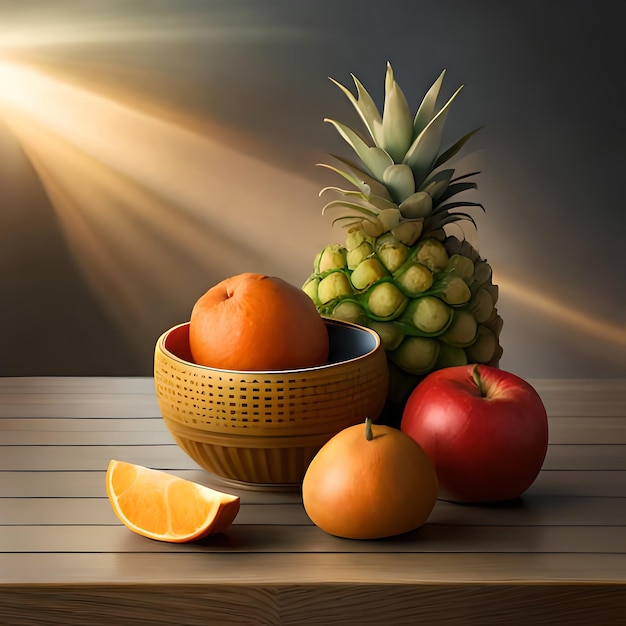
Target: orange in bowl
(255, 322)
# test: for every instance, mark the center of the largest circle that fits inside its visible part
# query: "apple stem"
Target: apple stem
(478, 381)
(368, 429)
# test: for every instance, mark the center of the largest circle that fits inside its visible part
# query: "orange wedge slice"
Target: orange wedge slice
(165, 507)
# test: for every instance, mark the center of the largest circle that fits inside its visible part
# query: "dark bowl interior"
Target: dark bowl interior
(347, 342)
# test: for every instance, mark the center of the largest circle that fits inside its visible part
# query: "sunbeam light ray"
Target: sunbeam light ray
(208, 23)
(119, 167)
(612, 334)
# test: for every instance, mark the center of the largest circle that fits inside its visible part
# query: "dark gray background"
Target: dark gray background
(243, 89)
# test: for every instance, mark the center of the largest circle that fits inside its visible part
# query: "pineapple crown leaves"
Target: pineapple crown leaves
(401, 159)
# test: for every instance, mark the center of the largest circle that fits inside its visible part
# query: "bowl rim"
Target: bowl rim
(316, 368)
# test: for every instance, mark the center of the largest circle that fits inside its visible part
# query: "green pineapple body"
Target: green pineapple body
(428, 294)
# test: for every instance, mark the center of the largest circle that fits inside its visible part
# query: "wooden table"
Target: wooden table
(557, 556)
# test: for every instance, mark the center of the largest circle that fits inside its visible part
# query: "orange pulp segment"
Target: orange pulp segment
(165, 507)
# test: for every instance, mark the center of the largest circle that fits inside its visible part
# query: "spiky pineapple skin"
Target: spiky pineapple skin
(429, 295)
(417, 342)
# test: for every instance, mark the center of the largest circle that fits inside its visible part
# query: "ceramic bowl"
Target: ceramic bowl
(264, 427)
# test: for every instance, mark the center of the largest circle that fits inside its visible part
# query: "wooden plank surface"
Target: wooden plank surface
(112, 431)
(86, 484)
(530, 510)
(561, 548)
(168, 457)
(305, 539)
(339, 603)
(435, 600)
(179, 568)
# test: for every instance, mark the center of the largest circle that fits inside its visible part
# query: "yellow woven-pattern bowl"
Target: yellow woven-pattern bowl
(265, 427)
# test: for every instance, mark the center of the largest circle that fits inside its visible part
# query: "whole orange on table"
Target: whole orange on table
(368, 482)
(254, 322)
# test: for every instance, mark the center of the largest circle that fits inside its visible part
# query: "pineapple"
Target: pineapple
(426, 292)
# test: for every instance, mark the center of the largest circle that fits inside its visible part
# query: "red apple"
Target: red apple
(485, 429)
